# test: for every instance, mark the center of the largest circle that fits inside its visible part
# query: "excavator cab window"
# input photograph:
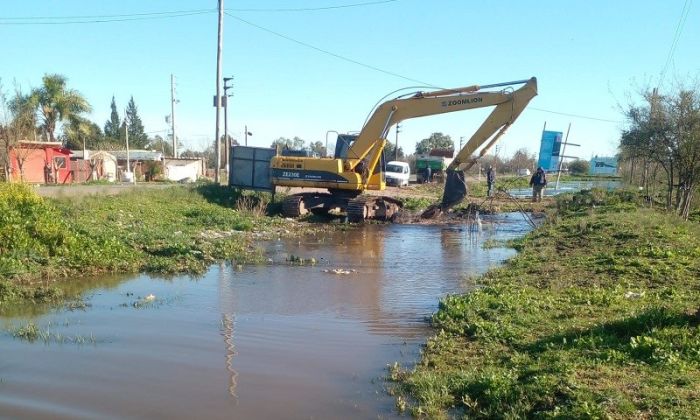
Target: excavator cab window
(343, 144)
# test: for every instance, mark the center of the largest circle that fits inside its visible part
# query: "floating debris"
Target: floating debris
(340, 271)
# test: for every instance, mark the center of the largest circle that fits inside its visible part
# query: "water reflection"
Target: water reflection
(274, 341)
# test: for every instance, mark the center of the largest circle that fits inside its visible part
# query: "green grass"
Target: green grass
(172, 230)
(49, 334)
(596, 317)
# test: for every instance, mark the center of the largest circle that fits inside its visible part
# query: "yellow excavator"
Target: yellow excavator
(358, 162)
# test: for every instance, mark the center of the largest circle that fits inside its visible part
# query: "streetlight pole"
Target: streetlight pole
(172, 113)
(128, 164)
(396, 148)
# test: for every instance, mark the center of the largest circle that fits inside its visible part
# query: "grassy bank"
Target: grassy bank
(596, 317)
(178, 229)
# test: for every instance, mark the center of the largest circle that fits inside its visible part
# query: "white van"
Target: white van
(397, 173)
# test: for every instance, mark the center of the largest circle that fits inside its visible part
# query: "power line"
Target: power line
(107, 16)
(72, 19)
(676, 36)
(48, 20)
(371, 67)
(338, 56)
(313, 9)
(585, 117)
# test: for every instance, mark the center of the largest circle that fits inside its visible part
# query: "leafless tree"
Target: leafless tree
(664, 134)
(17, 122)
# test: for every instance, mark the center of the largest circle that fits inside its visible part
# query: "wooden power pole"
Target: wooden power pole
(172, 113)
(217, 142)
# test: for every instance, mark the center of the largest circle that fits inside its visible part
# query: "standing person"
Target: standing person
(428, 174)
(47, 173)
(490, 180)
(538, 182)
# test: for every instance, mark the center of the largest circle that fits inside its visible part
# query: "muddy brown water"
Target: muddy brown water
(274, 341)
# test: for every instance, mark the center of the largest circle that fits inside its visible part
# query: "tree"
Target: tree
(317, 148)
(521, 159)
(81, 132)
(435, 141)
(579, 167)
(665, 131)
(57, 103)
(390, 152)
(17, 122)
(138, 139)
(159, 144)
(113, 125)
(296, 143)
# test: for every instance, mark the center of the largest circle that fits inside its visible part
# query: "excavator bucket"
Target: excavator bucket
(455, 191)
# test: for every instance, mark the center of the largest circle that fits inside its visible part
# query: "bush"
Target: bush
(29, 225)
(579, 167)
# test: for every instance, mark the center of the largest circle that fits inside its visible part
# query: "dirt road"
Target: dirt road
(79, 190)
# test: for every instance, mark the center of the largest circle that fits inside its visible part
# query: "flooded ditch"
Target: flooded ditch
(273, 341)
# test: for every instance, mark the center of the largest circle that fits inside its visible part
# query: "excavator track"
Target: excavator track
(293, 206)
(368, 207)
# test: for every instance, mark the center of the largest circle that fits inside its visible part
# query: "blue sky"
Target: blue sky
(590, 58)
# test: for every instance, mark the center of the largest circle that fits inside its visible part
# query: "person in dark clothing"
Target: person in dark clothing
(428, 174)
(490, 180)
(538, 182)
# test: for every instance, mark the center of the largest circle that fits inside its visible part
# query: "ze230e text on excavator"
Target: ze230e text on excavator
(358, 162)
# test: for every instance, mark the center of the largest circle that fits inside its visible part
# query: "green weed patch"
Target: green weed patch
(596, 317)
(178, 229)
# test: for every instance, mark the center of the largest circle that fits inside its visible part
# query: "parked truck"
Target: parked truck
(437, 160)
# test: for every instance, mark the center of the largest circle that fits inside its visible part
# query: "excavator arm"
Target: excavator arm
(508, 104)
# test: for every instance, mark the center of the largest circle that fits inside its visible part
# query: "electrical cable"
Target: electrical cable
(350, 60)
(676, 36)
(314, 9)
(574, 115)
(390, 73)
(106, 16)
(105, 19)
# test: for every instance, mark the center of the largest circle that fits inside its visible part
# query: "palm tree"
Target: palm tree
(57, 103)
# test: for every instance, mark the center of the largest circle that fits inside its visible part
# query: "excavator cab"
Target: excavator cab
(342, 145)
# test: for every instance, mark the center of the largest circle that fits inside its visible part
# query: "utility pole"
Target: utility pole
(128, 163)
(396, 148)
(227, 141)
(217, 142)
(246, 134)
(562, 156)
(172, 113)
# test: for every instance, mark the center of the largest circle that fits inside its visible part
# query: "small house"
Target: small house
(40, 162)
(142, 163)
(90, 165)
